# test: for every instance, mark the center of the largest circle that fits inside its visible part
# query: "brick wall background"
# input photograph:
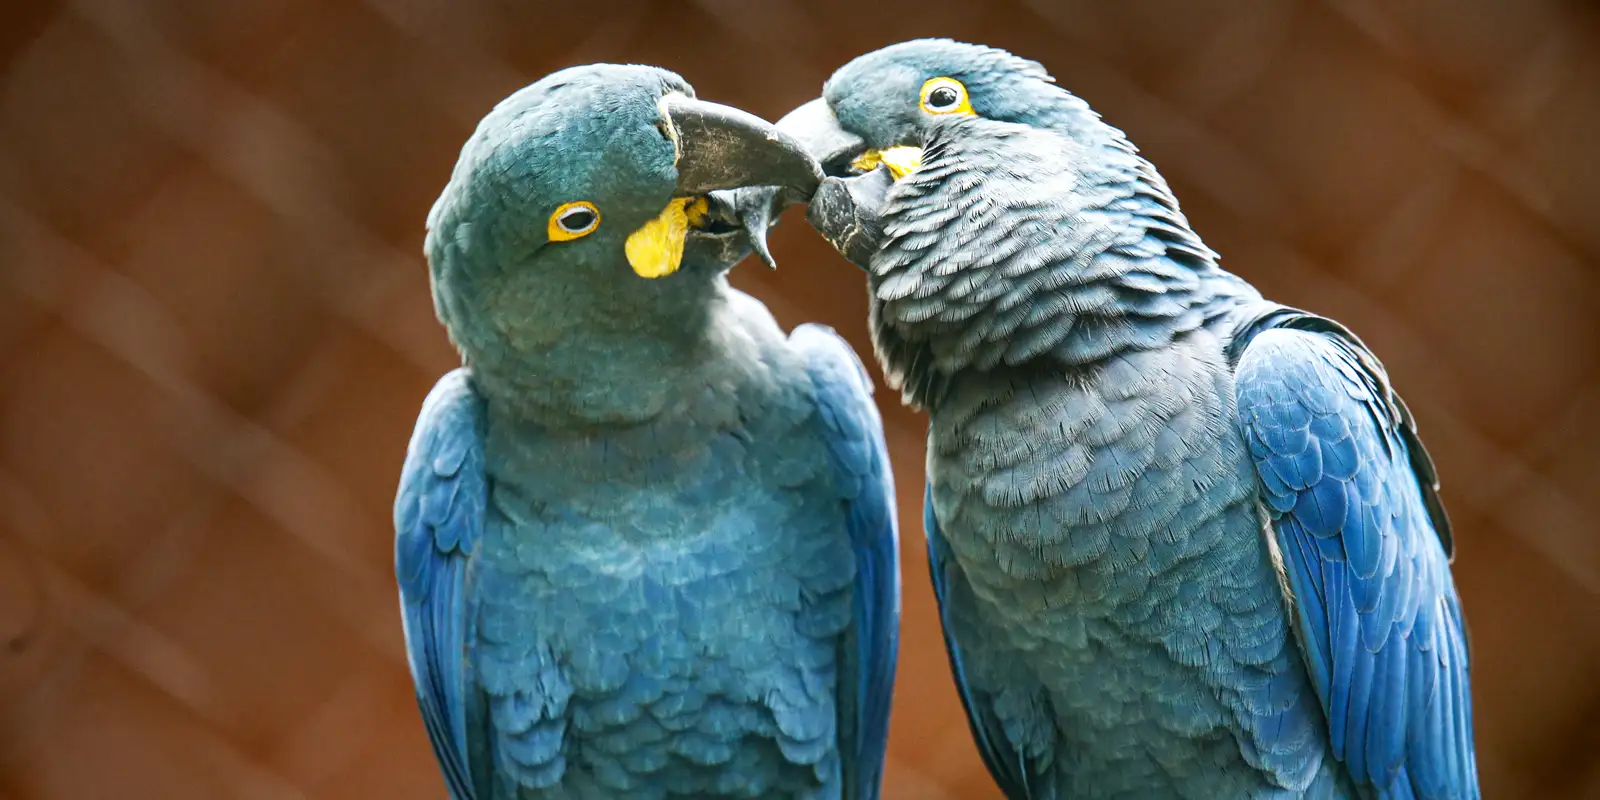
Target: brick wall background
(215, 332)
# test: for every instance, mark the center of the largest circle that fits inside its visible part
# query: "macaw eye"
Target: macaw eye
(573, 221)
(945, 96)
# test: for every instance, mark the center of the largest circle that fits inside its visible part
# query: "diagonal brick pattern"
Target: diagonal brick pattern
(215, 332)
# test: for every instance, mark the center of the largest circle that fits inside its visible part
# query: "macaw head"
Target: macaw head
(1000, 221)
(880, 107)
(878, 112)
(599, 200)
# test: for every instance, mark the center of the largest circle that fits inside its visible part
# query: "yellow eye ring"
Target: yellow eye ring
(573, 221)
(945, 96)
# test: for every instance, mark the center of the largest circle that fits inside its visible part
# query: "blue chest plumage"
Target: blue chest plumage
(1107, 525)
(692, 587)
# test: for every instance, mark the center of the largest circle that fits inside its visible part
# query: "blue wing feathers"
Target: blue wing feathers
(860, 457)
(1365, 546)
(1009, 769)
(438, 518)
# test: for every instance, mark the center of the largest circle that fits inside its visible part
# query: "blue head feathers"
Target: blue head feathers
(585, 204)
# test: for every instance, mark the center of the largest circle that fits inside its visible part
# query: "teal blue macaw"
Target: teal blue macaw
(1186, 541)
(645, 542)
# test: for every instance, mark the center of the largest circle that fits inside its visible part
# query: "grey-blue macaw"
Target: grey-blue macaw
(1186, 542)
(646, 544)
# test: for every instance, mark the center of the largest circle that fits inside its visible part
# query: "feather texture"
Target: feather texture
(1365, 555)
(861, 463)
(704, 607)
(438, 519)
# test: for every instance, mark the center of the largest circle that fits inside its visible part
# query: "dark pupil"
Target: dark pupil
(942, 97)
(577, 220)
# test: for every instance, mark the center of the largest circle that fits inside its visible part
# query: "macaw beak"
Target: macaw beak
(816, 128)
(753, 210)
(721, 147)
(839, 151)
(720, 151)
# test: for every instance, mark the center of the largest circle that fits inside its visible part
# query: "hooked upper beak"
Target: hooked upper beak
(721, 147)
(719, 150)
(816, 128)
(839, 151)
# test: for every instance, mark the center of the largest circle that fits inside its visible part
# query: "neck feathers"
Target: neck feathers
(571, 371)
(1017, 245)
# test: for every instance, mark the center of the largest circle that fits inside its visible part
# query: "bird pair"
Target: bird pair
(1185, 541)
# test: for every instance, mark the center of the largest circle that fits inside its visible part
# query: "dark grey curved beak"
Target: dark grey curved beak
(847, 210)
(816, 128)
(721, 147)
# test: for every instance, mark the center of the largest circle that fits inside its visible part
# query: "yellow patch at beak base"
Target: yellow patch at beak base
(695, 211)
(656, 249)
(901, 160)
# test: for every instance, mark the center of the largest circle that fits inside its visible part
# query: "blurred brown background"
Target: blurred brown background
(215, 332)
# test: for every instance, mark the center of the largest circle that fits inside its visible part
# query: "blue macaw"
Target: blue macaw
(646, 544)
(1185, 541)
